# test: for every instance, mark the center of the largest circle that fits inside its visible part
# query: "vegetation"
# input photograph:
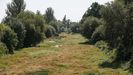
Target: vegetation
(115, 27)
(68, 55)
(34, 25)
(59, 47)
(8, 37)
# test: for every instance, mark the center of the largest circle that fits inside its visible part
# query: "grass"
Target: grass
(58, 56)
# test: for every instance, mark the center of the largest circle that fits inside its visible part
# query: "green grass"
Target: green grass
(71, 57)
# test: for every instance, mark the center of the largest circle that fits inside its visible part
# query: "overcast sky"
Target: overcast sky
(74, 9)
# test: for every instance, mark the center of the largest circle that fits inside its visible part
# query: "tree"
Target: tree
(49, 15)
(66, 24)
(34, 25)
(64, 20)
(38, 12)
(125, 1)
(114, 15)
(8, 37)
(118, 33)
(15, 7)
(94, 11)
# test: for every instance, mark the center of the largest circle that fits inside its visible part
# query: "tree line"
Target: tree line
(23, 28)
(112, 25)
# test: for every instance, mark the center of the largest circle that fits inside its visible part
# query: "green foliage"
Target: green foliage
(9, 38)
(116, 29)
(75, 27)
(50, 31)
(3, 49)
(66, 25)
(103, 46)
(15, 7)
(98, 34)
(94, 11)
(19, 29)
(34, 25)
(56, 25)
(49, 15)
(89, 26)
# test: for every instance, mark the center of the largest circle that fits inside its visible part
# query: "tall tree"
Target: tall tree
(93, 10)
(15, 7)
(49, 15)
(64, 20)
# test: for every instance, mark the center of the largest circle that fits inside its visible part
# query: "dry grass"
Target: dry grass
(70, 58)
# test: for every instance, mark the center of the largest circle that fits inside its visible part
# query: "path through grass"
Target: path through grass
(58, 56)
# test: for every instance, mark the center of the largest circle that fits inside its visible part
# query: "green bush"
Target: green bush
(89, 26)
(98, 34)
(8, 37)
(56, 25)
(50, 31)
(34, 25)
(75, 27)
(102, 45)
(19, 29)
(3, 49)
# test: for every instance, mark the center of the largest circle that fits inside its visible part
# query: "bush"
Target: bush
(112, 53)
(8, 37)
(89, 26)
(98, 34)
(55, 25)
(34, 25)
(19, 29)
(3, 49)
(75, 27)
(102, 45)
(50, 31)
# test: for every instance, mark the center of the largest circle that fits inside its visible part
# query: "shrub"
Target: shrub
(75, 27)
(98, 34)
(34, 25)
(3, 49)
(89, 26)
(55, 25)
(50, 31)
(9, 38)
(102, 45)
(19, 29)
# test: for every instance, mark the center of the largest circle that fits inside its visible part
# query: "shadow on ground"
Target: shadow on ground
(86, 43)
(113, 65)
(41, 72)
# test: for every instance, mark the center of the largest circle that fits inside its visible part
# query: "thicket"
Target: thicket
(113, 24)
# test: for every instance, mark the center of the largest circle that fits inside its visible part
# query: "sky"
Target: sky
(73, 9)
